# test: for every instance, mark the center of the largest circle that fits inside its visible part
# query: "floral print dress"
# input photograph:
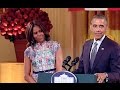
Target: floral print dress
(42, 56)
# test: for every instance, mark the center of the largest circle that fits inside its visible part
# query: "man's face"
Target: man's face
(98, 27)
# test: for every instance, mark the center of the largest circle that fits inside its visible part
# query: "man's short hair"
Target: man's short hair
(100, 16)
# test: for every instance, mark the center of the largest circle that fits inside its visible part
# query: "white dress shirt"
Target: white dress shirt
(98, 44)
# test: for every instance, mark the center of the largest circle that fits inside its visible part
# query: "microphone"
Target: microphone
(68, 59)
(73, 63)
(65, 62)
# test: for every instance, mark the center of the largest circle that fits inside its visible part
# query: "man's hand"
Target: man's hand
(101, 77)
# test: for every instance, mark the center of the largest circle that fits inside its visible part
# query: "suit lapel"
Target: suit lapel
(86, 62)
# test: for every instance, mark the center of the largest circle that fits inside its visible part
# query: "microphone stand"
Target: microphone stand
(64, 67)
(69, 68)
(73, 63)
(65, 62)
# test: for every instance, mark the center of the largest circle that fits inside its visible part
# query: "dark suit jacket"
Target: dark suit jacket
(107, 60)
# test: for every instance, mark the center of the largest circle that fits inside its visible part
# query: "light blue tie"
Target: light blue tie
(93, 54)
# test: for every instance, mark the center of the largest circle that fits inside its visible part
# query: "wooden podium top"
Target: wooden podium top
(12, 73)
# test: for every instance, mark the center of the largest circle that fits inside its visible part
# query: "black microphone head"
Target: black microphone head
(74, 62)
(68, 58)
(65, 62)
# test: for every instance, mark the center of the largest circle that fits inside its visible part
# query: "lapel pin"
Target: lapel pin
(102, 48)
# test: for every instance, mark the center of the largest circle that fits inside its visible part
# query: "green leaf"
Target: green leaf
(11, 38)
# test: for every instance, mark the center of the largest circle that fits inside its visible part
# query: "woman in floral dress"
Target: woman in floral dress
(41, 54)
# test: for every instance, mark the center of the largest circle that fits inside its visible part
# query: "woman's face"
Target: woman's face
(38, 34)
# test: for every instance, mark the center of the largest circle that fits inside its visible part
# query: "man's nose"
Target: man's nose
(98, 29)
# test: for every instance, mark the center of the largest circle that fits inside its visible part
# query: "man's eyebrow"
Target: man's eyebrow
(94, 24)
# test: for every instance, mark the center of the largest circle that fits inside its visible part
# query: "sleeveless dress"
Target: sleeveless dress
(42, 57)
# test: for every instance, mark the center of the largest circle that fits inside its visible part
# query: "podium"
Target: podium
(81, 78)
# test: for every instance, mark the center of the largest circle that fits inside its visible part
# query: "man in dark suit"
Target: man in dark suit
(102, 59)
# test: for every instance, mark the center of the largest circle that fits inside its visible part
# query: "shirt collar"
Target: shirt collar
(43, 43)
(100, 39)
